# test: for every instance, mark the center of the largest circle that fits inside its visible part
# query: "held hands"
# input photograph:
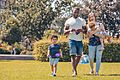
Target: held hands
(72, 30)
(76, 31)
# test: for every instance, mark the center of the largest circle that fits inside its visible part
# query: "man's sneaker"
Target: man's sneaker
(91, 72)
(54, 75)
(74, 74)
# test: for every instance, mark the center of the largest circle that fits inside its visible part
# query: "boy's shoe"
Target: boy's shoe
(53, 75)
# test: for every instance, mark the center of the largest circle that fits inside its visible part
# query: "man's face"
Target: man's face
(75, 13)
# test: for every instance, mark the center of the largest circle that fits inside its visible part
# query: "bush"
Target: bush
(40, 50)
(110, 54)
(4, 51)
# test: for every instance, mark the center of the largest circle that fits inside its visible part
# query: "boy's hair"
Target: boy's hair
(91, 25)
(54, 36)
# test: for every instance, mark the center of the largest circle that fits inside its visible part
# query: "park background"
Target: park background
(26, 27)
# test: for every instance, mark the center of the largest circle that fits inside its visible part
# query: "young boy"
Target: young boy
(54, 53)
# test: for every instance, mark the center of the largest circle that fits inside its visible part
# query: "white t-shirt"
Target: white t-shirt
(75, 24)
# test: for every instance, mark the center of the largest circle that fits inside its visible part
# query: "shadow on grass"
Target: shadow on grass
(5, 60)
(65, 76)
(103, 75)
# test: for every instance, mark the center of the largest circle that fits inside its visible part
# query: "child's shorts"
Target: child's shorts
(53, 61)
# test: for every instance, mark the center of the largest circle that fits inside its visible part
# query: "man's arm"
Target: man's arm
(67, 30)
(85, 29)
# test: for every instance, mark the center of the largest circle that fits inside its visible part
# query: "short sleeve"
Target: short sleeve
(67, 23)
(84, 22)
(49, 47)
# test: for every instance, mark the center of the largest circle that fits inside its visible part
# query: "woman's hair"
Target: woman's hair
(94, 19)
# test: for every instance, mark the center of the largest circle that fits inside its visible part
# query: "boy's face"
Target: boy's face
(54, 40)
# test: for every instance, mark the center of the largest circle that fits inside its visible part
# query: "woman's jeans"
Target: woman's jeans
(95, 50)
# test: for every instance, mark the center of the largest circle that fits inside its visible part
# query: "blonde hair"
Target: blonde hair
(94, 19)
(89, 23)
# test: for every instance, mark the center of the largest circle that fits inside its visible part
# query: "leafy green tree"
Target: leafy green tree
(30, 17)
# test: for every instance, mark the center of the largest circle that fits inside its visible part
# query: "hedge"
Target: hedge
(110, 54)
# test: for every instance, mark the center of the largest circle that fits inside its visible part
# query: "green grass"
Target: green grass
(34, 70)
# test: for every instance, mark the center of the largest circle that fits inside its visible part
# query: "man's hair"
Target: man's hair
(77, 8)
(54, 36)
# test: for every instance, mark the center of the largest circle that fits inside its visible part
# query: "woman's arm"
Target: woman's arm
(89, 34)
(100, 35)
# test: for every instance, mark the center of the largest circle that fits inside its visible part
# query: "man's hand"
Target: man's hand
(78, 31)
(85, 29)
(72, 30)
(69, 30)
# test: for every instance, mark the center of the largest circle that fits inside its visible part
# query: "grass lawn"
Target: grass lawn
(35, 70)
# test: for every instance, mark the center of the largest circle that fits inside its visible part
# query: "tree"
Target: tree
(31, 17)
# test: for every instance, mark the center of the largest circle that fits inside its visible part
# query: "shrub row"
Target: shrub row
(110, 54)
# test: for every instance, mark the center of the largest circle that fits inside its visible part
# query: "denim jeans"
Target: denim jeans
(76, 47)
(95, 50)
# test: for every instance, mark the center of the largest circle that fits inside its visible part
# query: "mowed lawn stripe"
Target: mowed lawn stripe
(35, 70)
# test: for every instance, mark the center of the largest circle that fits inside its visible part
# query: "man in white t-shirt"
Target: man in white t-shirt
(74, 30)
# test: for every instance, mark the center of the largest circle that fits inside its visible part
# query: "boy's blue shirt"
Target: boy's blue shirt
(54, 48)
